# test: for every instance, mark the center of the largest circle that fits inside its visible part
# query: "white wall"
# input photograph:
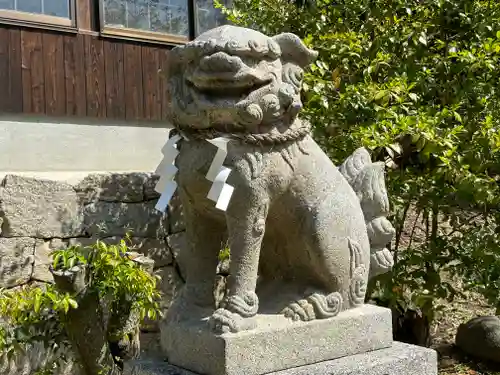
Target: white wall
(69, 148)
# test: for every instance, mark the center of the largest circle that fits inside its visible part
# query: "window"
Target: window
(162, 20)
(207, 16)
(56, 12)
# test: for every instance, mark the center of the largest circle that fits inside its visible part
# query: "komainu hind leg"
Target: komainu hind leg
(321, 305)
(317, 305)
(359, 276)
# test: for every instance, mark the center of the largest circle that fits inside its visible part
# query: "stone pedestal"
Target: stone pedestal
(357, 341)
(399, 359)
(278, 343)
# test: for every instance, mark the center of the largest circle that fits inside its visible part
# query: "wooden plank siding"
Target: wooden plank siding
(74, 77)
(134, 102)
(53, 66)
(115, 81)
(63, 74)
(33, 81)
(96, 77)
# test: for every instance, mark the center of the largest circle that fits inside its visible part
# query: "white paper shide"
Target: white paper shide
(220, 192)
(166, 186)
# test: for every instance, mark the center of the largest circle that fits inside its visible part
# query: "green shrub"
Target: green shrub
(39, 313)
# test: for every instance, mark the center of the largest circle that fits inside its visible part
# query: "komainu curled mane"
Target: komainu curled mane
(304, 235)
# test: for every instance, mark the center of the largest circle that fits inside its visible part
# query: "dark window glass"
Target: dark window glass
(31, 6)
(207, 16)
(57, 8)
(115, 13)
(7, 4)
(164, 16)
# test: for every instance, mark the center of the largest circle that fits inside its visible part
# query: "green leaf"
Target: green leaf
(38, 303)
(56, 260)
(65, 305)
(380, 95)
(73, 303)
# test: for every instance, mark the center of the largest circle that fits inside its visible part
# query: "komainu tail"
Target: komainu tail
(368, 181)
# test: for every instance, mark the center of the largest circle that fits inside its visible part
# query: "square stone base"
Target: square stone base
(400, 359)
(277, 343)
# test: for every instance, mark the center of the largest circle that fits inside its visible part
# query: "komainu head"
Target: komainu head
(239, 80)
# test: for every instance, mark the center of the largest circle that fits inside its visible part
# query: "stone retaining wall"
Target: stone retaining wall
(37, 216)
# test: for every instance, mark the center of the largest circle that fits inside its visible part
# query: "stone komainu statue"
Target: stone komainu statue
(304, 235)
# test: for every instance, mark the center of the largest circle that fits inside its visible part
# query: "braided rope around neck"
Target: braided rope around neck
(264, 139)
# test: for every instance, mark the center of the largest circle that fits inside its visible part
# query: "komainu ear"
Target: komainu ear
(294, 51)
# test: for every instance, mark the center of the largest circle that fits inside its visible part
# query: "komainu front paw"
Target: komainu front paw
(225, 321)
(235, 313)
(246, 305)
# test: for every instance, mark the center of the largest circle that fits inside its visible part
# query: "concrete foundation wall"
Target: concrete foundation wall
(64, 148)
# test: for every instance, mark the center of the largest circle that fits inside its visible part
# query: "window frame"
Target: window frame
(145, 35)
(149, 36)
(38, 20)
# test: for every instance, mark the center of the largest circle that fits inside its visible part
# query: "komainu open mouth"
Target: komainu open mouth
(229, 88)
